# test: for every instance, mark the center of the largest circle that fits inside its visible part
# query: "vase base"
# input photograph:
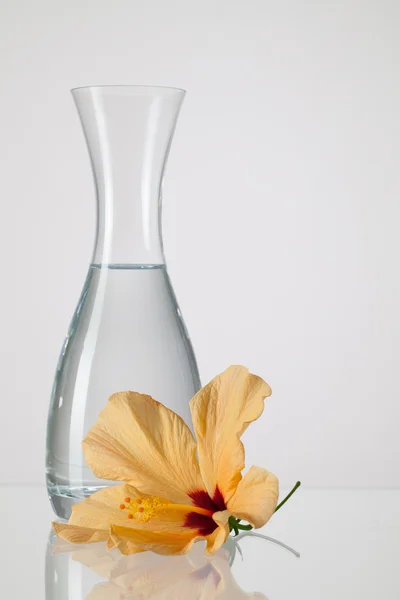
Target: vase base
(62, 497)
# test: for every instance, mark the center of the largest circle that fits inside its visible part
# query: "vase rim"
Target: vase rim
(126, 86)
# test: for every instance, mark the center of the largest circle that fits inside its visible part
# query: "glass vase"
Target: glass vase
(127, 332)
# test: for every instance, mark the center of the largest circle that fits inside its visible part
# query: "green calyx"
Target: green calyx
(235, 524)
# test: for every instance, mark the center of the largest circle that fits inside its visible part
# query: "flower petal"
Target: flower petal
(256, 497)
(124, 505)
(101, 509)
(129, 541)
(79, 535)
(139, 440)
(220, 535)
(221, 412)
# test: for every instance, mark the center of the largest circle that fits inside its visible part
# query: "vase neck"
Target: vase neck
(128, 130)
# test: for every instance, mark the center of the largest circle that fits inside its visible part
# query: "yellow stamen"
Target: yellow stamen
(144, 509)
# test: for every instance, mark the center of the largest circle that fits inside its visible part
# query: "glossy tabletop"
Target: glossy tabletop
(323, 545)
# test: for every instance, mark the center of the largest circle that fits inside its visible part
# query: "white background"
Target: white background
(281, 211)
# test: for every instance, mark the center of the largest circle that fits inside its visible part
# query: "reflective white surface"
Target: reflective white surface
(348, 543)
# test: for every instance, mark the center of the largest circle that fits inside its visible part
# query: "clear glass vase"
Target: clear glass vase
(127, 331)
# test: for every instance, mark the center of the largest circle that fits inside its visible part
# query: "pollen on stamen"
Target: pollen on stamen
(130, 516)
(127, 500)
(139, 500)
(140, 509)
(122, 506)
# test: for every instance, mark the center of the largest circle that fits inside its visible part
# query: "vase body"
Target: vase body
(127, 332)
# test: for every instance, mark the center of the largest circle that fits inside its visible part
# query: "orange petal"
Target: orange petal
(153, 514)
(79, 535)
(220, 535)
(101, 509)
(256, 497)
(138, 440)
(129, 541)
(221, 412)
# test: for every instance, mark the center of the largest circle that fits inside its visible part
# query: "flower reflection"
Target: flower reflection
(148, 576)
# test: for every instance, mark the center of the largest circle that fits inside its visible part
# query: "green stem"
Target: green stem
(298, 484)
(233, 524)
(244, 527)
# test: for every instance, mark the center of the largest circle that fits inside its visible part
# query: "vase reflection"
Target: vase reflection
(92, 572)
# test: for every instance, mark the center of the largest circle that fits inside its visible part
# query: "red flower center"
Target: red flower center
(204, 524)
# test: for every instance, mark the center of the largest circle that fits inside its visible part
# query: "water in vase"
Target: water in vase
(127, 332)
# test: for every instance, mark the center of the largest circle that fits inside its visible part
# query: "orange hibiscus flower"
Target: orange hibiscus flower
(175, 493)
